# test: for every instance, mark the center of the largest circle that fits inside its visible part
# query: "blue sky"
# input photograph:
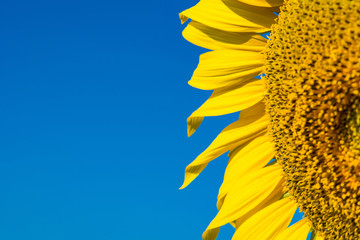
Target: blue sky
(94, 101)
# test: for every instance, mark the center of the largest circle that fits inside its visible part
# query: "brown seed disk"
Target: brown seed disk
(313, 103)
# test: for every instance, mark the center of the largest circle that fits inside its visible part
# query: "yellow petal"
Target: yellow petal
(193, 124)
(244, 160)
(211, 234)
(247, 193)
(267, 223)
(272, 198)
(231, 15)
(228, 100)
(298, 231)
(252, 124)
(215, 39)
(233, 99)
(222, 68)
(263, 3)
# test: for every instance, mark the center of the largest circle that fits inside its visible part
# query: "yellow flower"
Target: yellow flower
(305, 113)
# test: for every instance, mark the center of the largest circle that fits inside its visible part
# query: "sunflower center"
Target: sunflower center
(313, 102)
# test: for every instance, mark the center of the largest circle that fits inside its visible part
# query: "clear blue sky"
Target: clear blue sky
(94, 101)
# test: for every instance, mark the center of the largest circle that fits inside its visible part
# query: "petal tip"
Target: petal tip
(192, 124)
(183, 18)
(185, 184)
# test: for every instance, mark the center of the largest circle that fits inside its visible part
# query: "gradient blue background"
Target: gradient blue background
(94, 101)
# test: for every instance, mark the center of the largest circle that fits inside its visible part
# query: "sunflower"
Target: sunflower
(296, 143)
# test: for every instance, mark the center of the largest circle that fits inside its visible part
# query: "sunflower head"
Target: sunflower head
(313, 80)
(305, 112)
